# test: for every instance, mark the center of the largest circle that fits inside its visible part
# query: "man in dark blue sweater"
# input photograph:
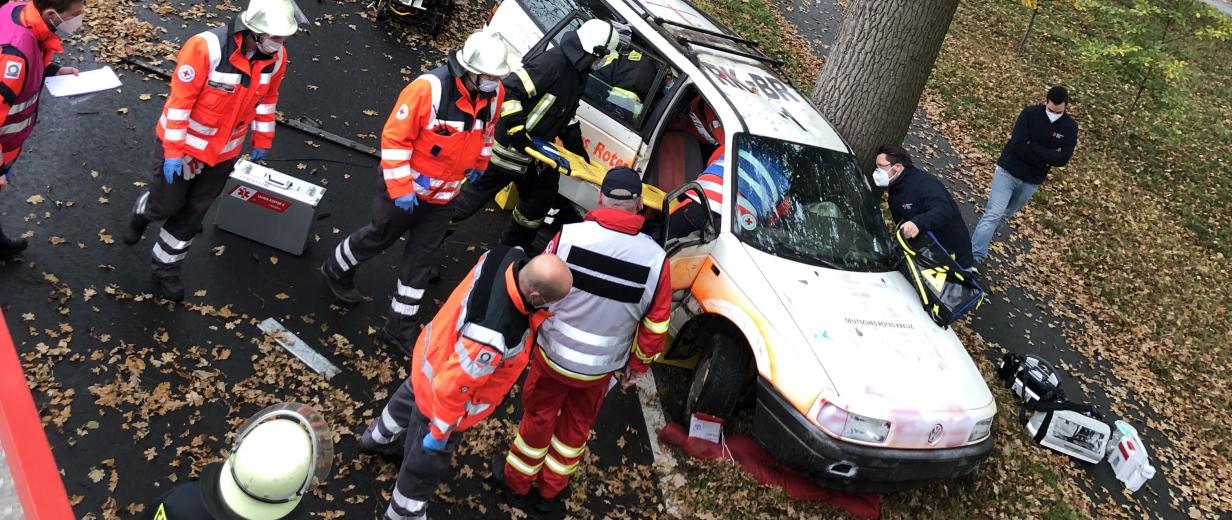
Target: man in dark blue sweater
(1043, 137)
(920, 203)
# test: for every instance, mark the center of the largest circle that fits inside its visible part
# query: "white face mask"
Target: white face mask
(881, 178)
(268, 45)
(488, 86)
(68, 26)
(1053, 116)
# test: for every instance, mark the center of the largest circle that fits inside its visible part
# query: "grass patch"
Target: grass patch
(757, 20)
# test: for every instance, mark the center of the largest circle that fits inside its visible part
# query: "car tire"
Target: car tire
(721, 378)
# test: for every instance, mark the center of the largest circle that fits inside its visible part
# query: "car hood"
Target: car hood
(876, 343)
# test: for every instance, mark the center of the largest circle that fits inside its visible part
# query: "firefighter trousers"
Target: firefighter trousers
(181, 206)
(557, 413)
(424, 229)
(402, 424)
(536, 194)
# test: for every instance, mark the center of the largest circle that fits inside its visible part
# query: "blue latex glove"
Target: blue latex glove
(407, 203)
(547, 148)
(434, 444)
(172, 168)
(473, 175)
(6, 170)
(258, 154)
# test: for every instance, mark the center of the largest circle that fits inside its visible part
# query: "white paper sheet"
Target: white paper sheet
(87, 82)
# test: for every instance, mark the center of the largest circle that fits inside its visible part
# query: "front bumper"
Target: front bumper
(797, 442)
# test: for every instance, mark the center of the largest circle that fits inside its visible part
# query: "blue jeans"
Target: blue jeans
(1008, 195)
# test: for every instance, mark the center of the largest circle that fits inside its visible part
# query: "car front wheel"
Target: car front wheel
(722, 377)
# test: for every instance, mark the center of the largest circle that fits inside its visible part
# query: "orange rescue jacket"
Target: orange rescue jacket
(476, 346)
(438, 130)
(217, 94)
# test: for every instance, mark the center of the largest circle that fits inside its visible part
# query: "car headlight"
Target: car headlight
(980, 431)
(852, 425)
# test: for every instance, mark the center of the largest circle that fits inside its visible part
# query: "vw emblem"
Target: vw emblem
(935, 434)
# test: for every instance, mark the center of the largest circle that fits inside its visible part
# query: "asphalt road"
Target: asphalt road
(184, 376)
(1014, 318)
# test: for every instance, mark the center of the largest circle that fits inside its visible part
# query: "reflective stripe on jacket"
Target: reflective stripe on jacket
(476, 346)
(439, 130)
(620, 302)
(217, 95)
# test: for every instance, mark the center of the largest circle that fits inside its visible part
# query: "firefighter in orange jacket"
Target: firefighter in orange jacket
(465, 361)
(615, 318)
(440, 133)
(30, 36)
(225, 82)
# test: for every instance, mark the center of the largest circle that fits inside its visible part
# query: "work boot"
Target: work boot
(406, 347)
(10, 248)
(342, 285)
(551, 507)
(169, 287)
(136, 226)
(392, 450)
(498, 479)
(434, 274)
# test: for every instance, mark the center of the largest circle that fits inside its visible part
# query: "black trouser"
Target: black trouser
(182, 206)
(424, 228)
(422, 469)
(536, 194)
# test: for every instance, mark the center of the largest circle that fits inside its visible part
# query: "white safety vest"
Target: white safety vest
(615, 276)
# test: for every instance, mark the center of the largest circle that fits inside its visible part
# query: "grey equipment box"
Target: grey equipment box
(268, 206)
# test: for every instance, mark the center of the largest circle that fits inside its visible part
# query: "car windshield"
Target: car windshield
(808, 204)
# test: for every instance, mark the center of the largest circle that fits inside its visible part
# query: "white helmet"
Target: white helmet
(600, 38)
(484, 53)
(279, 454)
(273, 17)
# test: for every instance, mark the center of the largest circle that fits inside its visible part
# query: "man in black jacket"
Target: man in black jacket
(540, 101)
(920, 203)
(1044, 136)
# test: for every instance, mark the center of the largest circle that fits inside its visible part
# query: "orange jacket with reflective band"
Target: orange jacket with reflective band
(438, 130)
(217, 95)
(476, 346)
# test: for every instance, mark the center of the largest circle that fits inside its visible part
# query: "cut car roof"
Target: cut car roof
(768, 105)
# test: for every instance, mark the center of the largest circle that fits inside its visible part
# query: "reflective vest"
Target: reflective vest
(620, 284)
(475, 348)
(217, 95)
(438, 130)
(27, 59)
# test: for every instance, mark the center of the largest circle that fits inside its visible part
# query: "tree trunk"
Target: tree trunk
(871, 82)
(1022, 44)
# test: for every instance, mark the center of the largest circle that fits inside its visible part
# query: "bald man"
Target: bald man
(463, 365)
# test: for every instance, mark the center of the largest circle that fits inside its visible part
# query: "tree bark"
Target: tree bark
(871, 82)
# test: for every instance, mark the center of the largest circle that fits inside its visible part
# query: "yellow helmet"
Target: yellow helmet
(273, 17)
(279, 454)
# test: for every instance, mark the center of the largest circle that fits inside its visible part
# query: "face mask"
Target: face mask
(881, 178)
(1053, 116)
(488, 86)
(268, 46)
(70, 25)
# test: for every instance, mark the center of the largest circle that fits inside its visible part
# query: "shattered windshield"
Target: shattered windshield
(808, 204)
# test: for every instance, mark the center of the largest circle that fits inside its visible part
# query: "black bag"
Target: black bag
(946, 290)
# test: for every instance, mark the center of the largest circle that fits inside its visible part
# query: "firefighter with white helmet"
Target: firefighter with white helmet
(278, 456)
(542, 98)
(225, 85)
(439, 133)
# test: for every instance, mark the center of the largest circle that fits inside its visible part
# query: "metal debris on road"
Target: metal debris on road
(298, 348)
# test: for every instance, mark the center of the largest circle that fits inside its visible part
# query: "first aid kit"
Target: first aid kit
(268, 206)
(1128, 457)
(1079, 434)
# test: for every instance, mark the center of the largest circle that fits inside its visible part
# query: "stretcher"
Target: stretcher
(579, 168)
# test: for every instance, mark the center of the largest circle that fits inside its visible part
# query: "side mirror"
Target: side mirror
(688, 219)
